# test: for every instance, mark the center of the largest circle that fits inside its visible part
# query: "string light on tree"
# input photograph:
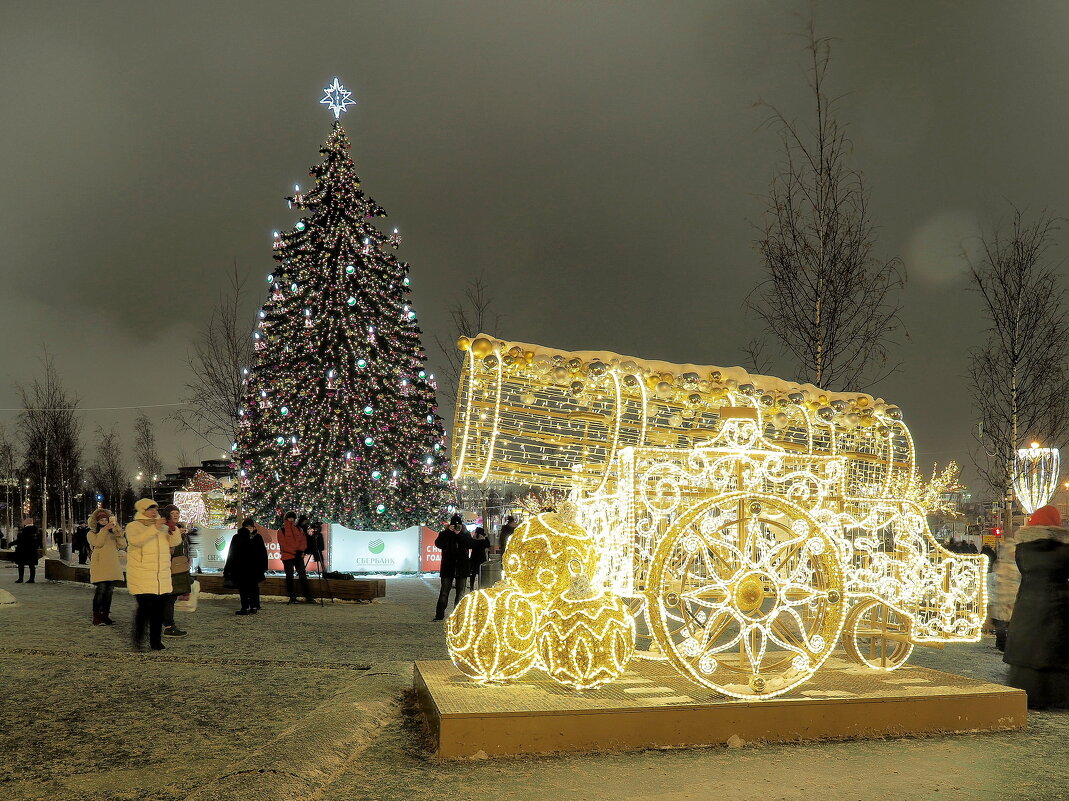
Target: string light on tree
(339, 394)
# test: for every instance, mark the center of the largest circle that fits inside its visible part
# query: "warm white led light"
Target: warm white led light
(1035, 475)
(747, 524)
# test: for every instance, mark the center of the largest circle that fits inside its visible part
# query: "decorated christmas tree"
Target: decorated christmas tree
(339, 419)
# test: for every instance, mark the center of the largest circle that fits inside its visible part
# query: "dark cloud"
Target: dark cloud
(600, 163)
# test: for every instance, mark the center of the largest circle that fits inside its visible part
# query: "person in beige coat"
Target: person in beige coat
(105, 569)
(148, 570)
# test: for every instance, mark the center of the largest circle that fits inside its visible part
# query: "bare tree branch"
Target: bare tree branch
(1019, 378)
(223, 349)
(825, 297)
(473, 313)
(146, 451)
(107, 472)
(50, 433)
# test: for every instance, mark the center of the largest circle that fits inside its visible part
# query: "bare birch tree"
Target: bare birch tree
(1019, 378)
(50, 433)
(472, 313)
(9, 480)
(146, 453)
(107, 472)
(220, 353)
(826, 299)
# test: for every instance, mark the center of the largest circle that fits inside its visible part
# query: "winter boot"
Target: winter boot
(98, 619)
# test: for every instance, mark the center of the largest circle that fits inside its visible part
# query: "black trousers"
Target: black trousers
(102, 597)
(168, 608)
(449, 583)
(297, 564)
(149, 616)
(474, 575)
(249, 592)
(33, 571)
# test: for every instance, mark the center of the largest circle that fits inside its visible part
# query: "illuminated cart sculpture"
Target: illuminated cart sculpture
(750, 524)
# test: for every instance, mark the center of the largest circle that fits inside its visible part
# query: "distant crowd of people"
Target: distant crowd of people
(152, 553)
(958, 545)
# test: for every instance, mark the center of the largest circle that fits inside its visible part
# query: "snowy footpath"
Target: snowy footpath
(307, 703)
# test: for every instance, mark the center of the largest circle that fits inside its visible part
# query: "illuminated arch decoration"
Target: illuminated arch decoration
(749, 524)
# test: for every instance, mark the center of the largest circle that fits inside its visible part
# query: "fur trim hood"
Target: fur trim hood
(1034, 533)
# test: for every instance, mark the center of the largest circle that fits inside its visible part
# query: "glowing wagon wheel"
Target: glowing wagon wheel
(877, 635)
(745, 595)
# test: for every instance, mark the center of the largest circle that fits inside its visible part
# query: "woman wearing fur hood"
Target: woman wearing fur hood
(1037, 644)
(105, 569)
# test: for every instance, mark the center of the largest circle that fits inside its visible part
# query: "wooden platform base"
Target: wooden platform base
(652, 706)
(342, 590)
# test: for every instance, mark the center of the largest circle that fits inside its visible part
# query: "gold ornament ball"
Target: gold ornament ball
(491, 634)
(463, 343)
(587, 642)
(482, 347)
(544, 553)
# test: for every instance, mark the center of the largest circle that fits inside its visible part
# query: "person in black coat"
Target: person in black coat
(80, 543)
(27, 543)
(504, 533)
(480, 546)
(246, 564)
(1037, 643)
(455, 544)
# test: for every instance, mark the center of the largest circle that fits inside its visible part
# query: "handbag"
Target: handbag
(180, 564)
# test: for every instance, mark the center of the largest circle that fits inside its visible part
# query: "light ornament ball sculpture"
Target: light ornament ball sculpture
(586, 639)
(491, 634)
(544, 553)
(1035, 475)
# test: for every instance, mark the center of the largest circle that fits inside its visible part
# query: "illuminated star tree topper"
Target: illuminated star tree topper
(336, 98)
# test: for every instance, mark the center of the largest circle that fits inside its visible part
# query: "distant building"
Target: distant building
(175, 482)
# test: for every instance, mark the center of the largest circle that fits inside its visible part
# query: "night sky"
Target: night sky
(601, 164)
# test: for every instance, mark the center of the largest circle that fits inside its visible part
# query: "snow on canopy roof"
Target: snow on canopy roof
(764, 383)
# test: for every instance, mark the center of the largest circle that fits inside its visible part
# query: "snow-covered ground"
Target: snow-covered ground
(308, 702)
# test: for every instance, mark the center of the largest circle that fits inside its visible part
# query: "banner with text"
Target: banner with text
(374, 551)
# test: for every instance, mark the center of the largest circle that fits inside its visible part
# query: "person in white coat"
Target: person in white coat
(105, 568)
(148, 570)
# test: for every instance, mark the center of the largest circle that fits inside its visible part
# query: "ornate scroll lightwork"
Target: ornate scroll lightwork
(1035, 475)
(746, 522)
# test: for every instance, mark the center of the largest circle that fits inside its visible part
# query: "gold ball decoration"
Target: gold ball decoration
(463, 343)
(482, 347)
(492, 633)
(586, 642)
(544, 553)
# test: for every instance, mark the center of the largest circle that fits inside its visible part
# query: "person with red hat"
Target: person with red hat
(1037, 641)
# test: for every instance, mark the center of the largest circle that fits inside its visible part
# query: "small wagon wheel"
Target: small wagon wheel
(745, 595)
(877, 635)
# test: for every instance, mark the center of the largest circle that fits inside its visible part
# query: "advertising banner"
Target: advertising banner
(374, 551)
(213, 545)
(430, 558)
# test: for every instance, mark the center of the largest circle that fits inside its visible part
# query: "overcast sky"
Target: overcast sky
(601, 164)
